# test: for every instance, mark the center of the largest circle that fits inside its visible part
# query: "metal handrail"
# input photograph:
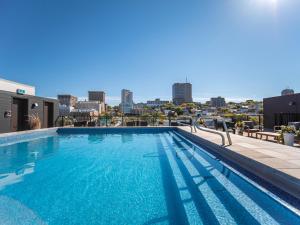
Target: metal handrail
(196, 125)
(190, 125)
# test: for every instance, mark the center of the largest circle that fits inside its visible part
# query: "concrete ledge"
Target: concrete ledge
(99, 130)
(20, 136)
(279, 179)
(14, 137)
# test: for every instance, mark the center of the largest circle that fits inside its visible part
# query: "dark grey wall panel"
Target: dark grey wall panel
(280, 104)
(5, 105)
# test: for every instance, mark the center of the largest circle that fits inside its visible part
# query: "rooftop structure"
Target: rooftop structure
(287, 91)
(19, 103)
(281, 110)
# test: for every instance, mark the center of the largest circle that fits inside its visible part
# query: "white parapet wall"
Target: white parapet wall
(11, 86)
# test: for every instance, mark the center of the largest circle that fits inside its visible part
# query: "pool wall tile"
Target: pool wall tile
(114, 130)
(14, 137)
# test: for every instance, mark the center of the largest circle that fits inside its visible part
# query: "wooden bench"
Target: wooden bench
(250, 132)
(276, 136)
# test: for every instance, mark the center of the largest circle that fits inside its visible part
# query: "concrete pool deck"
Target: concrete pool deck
(276, 163)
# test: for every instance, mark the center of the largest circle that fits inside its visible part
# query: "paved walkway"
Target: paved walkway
(277, 157)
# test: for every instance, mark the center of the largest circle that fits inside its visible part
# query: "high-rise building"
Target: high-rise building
(182, 93)
(67, 100)
(127, 96)
(97, 96)
(287, 91)
(126, 105)
(218, 102)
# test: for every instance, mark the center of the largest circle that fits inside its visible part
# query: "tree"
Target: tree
(169, 106)
(109, 108)
(178, 110)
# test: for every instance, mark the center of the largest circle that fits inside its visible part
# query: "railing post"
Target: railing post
(215, 132)
(227, 133)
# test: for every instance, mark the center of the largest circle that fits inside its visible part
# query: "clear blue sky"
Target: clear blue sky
(234, 48)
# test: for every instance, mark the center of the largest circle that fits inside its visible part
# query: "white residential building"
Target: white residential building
(89, 106)
(157, 103)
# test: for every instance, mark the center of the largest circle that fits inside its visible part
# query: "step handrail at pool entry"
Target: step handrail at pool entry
(190, 125)
(227, 132)
(196, 125)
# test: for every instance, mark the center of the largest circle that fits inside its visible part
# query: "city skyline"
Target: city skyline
(116, 100)
(248, 51)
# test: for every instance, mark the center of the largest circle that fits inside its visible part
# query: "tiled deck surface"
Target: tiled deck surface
(277, 157)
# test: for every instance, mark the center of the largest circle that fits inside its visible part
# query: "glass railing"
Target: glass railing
(142, 120)
(115, 121)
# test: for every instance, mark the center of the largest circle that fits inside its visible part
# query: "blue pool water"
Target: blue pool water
(126, 178)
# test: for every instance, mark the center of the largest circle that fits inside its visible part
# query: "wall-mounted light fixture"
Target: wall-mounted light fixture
(292, 103)
(7, 114)
(34, 105)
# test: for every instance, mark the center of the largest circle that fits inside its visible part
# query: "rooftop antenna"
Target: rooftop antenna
(186, 79)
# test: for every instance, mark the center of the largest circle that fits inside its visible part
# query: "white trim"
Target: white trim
(13, 82)
(12, 86)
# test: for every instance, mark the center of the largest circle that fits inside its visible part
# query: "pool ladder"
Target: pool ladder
(196, 125)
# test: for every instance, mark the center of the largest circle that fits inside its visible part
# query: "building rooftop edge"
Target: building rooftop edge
(281, 96)
(13, 82)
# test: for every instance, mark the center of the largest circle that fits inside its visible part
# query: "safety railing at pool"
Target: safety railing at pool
(196, 124)
(193, 128)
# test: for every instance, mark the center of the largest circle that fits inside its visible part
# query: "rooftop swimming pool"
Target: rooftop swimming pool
(126, 177)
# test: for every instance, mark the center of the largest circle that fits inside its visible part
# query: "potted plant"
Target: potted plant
(202, 122)
(298, 137)
(239, 127)
(34, 122)
(288, 134)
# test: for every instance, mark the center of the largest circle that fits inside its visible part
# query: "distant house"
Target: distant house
(67, 103)
(85, 106)
(156, 103)
(67, 100)
(218, 102)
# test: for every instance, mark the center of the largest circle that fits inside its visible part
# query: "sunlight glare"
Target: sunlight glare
(268, 4)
